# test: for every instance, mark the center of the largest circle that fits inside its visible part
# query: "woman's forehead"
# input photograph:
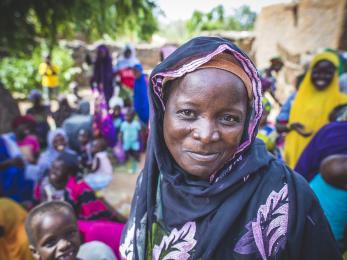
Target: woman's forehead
(209, 81)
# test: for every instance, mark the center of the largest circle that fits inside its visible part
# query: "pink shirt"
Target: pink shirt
(32, 142)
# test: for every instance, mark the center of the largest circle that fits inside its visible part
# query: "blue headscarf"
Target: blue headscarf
(141, 104)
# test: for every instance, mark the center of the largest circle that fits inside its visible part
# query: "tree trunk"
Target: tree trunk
(8, 110)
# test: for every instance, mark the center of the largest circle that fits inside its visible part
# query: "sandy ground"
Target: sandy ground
(120, 192)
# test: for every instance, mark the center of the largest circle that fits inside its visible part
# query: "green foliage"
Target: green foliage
(23, 24)
(246, 17)
(21, 74)
(243, 19)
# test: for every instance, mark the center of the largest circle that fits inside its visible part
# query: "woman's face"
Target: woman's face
(204, 120)
(322, 74)
(59, 142)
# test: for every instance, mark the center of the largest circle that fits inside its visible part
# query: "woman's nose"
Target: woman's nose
(206, 131)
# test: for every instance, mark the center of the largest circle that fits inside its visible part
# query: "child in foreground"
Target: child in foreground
(53, 234)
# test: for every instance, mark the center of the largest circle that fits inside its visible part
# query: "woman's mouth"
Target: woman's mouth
(203, 157)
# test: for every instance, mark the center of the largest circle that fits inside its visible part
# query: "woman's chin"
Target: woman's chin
(201, 172)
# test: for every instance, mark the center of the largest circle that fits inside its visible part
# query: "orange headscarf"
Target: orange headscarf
(14, 243)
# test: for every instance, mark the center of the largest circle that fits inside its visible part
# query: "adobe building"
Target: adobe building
(294, 30)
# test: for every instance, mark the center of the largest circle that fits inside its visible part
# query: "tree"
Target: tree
(23, 24)
(246, 17)
(243, 19)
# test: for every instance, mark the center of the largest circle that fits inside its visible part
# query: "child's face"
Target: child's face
(116, 111)
(59, 143)
(57, 175)
(129, 117)
(56, 236)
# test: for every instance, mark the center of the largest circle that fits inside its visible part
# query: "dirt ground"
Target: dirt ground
(120, 192)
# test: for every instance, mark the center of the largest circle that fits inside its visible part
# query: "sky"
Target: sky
(183, 9)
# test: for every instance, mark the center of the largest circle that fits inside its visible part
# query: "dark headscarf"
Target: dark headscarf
(217, 218)
(103, 71)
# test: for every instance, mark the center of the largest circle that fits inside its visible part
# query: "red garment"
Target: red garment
(127, 77)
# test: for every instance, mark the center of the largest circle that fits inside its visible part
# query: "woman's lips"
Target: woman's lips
(203, 157)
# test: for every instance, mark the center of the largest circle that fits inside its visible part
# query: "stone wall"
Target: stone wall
(147, 54)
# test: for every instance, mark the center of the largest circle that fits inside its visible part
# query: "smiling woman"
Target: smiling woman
(209, 189)
(318, 95)
(202, 134)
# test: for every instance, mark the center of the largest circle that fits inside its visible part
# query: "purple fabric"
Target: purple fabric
(268, 232)
(102, 120)
(329, 140)
(103, 74)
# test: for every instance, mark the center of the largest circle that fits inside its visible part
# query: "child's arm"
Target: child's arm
(96, 165)
(120, 136)
(116, 216)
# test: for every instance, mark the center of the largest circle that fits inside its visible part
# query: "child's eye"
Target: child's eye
(186, 113)
(50, 242)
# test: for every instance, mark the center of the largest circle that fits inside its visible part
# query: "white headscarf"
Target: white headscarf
(46, 159)
(129, 62)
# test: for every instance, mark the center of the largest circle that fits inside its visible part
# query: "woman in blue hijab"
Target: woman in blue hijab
(141, 104)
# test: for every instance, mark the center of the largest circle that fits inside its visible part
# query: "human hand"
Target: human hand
(17, 162)
(300, 129)
(116, 216)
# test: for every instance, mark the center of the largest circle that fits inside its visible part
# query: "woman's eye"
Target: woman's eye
(186, 113)
(229, 119)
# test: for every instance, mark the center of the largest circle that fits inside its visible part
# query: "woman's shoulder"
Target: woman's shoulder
(285, 172)
(279, 174)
